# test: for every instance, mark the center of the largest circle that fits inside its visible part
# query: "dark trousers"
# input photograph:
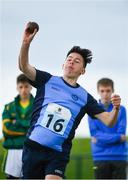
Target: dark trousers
(110, 169)
(11, 177)
(39, 161)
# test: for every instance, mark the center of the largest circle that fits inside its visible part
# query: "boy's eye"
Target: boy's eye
(102, 91)
(77, 61)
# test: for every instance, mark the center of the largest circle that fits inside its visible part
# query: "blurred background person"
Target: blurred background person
(108, 143)
(16, 121)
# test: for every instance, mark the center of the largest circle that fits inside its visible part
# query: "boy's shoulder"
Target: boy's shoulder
(9, 105)
(122, 107)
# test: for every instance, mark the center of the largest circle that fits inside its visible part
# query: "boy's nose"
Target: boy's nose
(71, 62)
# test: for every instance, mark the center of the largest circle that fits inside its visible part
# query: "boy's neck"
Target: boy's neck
(24, 99)
(71, 81)
(106, 104)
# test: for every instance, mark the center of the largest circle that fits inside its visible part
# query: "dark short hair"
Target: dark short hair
(85, 53)
(105, 82)
(22, 79)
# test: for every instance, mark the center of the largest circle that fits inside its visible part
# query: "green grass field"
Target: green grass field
(80, 165)
(1, 159)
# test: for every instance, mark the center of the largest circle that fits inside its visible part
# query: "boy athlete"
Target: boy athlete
(108, 143)
(16, 121)
(59, 106)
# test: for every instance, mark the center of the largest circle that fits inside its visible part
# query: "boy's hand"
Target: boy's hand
(14, 121)
(94, 140)
(123, 138)
(29, 33)
(116, 100)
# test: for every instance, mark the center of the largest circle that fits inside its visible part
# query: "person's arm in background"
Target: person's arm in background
(9, 127)
(123, 123)
(102, 138)
(24, 123)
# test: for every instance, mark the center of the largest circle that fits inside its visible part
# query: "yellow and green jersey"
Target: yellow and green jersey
(16, 121)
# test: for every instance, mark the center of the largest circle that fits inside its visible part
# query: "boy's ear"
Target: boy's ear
(83, 71)
(30, 87)
(62, 66)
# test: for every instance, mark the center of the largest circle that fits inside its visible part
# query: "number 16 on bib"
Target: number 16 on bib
(56, 118)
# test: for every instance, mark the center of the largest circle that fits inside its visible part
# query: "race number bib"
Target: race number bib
(56, 118)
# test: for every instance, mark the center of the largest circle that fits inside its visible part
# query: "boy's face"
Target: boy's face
(24, 89)
(105, 93)
(73, 66)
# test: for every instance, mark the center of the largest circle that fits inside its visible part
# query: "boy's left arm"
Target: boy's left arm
(9, 127)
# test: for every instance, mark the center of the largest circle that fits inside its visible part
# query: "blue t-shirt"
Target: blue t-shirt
(109, 145)
(58, 110)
